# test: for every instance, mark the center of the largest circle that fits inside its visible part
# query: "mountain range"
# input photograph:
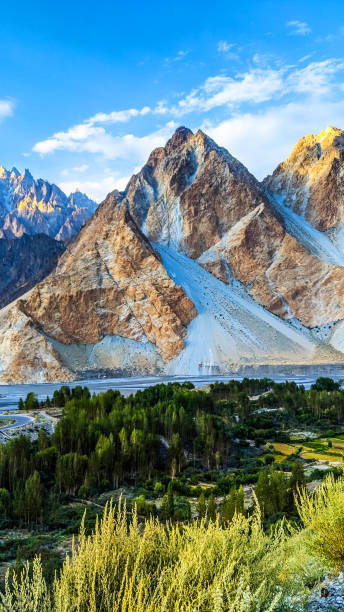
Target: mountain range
(32, 207)
(196, 267)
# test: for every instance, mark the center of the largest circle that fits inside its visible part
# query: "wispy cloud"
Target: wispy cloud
(259, 85)
(121, 116)
(298, 28)
(223, 46)
(77, 169)
(178, 57)
(6, 109)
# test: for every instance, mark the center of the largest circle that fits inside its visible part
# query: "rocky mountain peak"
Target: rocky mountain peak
(32, 207)
(191, 192)
(179, 138)
(139, 289)
(26, 176)
(311, 180)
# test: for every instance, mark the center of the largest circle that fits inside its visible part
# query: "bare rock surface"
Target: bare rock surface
(196, 267)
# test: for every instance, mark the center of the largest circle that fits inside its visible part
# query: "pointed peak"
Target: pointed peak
(3, 172)
(27, 176)
(15, 172)
(180, 136)
(330, 131)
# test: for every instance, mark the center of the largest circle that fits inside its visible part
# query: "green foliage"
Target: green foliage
(144, 507)
(211, 508)
(233, 504)
(323, 515)
(201, 506)
(325, 384)
(157, 567)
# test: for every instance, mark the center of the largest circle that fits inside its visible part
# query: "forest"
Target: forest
(171, 453)
(167, 436)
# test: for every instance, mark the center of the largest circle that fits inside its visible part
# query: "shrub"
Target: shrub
(323, 514)
(163, 567)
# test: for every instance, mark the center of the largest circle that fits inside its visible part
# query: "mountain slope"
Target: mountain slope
(230, 328)
(311, 182)
(38, 207)
(178, 274)
(109, 296)
(195, 197)
(24, 262)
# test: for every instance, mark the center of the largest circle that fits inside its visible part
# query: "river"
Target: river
(302, 375)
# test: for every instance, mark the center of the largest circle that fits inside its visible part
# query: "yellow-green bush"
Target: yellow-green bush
(175, 568)
(323, 516)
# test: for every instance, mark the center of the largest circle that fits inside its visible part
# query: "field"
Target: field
(322, 449)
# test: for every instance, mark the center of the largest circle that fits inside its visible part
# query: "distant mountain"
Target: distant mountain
(24, 262)
(195, 268)
(33, 207)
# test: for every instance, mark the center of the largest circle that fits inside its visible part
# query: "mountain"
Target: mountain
(311, 182)
(38, 207)
(24, 262)
(195, 268)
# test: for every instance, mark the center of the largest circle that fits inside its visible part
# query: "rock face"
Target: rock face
(37, 207)
(24, 262)
(190, 193)
(194, 197)
(109, 284)
(311, 180)
(195, 268)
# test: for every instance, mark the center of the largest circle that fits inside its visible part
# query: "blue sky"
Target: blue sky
(88, 89)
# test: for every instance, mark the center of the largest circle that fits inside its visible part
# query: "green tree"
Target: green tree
(167, 506)
(33, 498)
(211, 508)
(201, 506)
(232, 504)
(31, 401)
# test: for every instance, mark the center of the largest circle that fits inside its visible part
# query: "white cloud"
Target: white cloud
(261, 140)
(316, 78)
(78, 169)
(6, 108)
(258, 85)
(121, 116)
(223, 46)
(87, 138)
(298, 28)
(95, 189)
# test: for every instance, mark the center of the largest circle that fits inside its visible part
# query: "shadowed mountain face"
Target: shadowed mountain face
(38, 207)
(24, 262)
(196, 267)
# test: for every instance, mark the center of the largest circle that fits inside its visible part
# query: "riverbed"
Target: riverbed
(302, 375)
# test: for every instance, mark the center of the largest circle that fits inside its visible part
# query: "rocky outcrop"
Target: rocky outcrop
(311, 180)
(194, 197)
(33, 207)
(109, 282)
(190, 193)
(196, 267)
(24, 262)
(26, 355)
